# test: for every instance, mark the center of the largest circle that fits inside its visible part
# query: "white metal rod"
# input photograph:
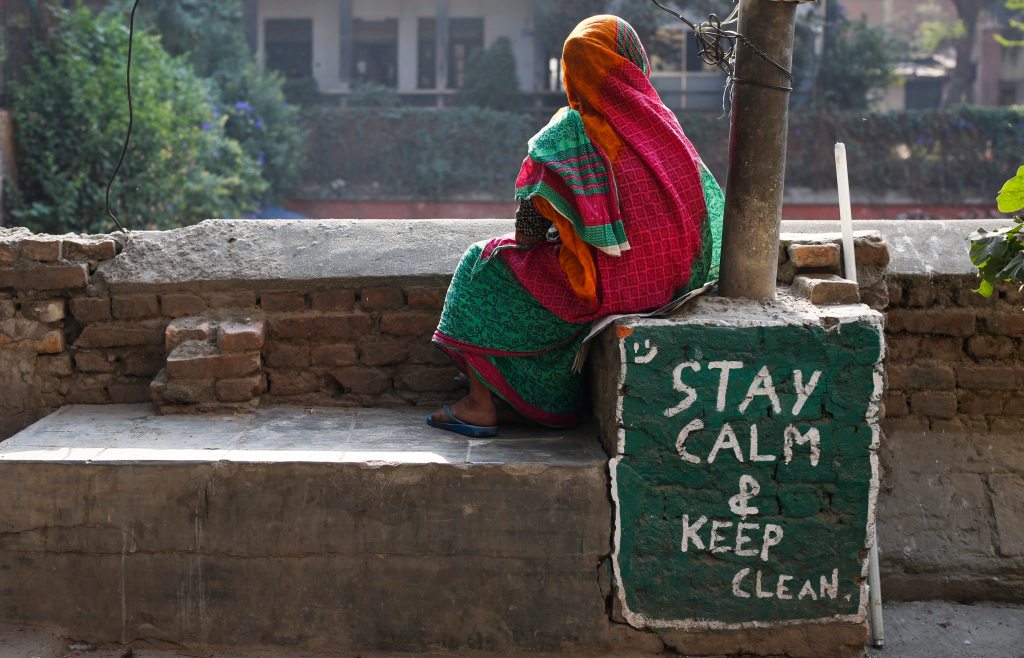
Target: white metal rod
(845, 213)
(875, 595)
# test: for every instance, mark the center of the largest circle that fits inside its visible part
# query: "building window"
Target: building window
(466, 40)
(426, 59)
(923, 93)
(288, 44)
(375, 52)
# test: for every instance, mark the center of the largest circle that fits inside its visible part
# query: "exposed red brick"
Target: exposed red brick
(128, 393)
(51, 310)
(8, 253)
(141, 361)
(199, 360)
(232, 299)
(90, 309)
(293, 382)
(58, 365)
(423, 379)
(90, 361)
(282, 301)
(181, 304)
(180, 391)
(991, 378)
(364, 381)
(333, 300)
(194, 328)
(118, 334)
(90, 249)
(45, 250)
(241, 335)
(327, 327)
(823, 256)
(992, 347)
(88, 395)
(411, 323)
(45, 277)
(896, 292)
(871, 252)
(30, 336)
(239, 390)
(980, 404)
(895, 405)
(1005, 324)
(425, 298)
(934, 403)
(825, 289)
(336, 355)
(383, 352)
(380, 299)
(134, 307)
(916, 377)
(1014, 405)
(946, 322)
(429, 354)
(287, 355)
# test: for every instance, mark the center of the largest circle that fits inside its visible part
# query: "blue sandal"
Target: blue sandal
(460, 427)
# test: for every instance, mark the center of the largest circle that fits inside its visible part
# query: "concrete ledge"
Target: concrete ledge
(218, 252)
(341, 529)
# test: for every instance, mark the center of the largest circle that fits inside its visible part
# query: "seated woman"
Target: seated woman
(638, 219)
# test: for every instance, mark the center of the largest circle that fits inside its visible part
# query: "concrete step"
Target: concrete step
(339, 529)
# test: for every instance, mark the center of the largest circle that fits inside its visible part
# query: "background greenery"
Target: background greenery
(70, 117)
(934, 156)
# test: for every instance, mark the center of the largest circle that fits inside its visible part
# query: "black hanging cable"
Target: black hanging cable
(131, 117)
(710, 36)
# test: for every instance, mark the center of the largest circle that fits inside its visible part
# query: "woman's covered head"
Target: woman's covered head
(595, 49)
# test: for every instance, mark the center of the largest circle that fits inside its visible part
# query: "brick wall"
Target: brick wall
(950, 511)
(953, 462)
(955, 362)
(64, 339)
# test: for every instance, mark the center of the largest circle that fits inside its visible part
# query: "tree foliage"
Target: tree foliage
(491, 79)
(858, 59)
(70, 117)
(251, 98)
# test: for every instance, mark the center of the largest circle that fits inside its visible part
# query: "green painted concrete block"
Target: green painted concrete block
(745, 469)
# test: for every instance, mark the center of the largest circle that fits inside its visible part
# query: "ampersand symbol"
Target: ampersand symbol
(749, 487)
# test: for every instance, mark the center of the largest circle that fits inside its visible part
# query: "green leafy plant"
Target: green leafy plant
(252, 98)
(69, 113)
(491, 79)
(999, 254)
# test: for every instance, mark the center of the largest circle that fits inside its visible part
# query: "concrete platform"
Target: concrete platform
(316, 529)
(135, 433)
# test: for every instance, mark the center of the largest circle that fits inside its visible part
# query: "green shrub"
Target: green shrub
(70, 115)
(414, 152)
(491, 79)
(210, 35)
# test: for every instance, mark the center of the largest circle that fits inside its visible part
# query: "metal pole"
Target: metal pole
(875, 594)
(757, 152)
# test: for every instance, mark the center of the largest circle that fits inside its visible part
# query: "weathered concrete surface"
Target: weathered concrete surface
(341, 530)
(924, 629)
(949, 520)
(917, 246)
(229, 251)
(234, 251)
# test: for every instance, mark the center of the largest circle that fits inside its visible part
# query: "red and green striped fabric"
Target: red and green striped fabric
(568, 170)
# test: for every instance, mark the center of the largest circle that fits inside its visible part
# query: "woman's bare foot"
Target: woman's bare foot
(477, 408)
(473, 412)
